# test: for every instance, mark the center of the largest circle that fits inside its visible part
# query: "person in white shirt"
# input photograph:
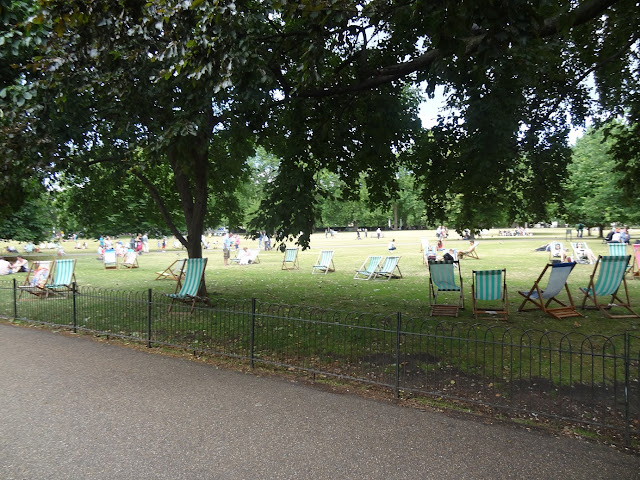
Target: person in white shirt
(5, 267)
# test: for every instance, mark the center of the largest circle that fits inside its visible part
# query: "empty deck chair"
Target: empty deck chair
(470, 252)
(542, 298)
(173, 271)
(130, 259)
(110, 259)
(62, 278)
(324, 263)
(603, 292)
(37, 277)
(290, 261)
(489, 293)
(191, 287)
(368, 268)
(442, 280)
(617, 249)
(636, 264)
(387, 270)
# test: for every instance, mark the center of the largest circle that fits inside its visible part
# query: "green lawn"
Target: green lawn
(339, 291)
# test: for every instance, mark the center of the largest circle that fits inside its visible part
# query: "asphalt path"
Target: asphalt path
(74, 408)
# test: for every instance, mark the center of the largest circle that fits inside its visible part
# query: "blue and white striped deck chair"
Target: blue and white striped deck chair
(542, 298)
(63, 277)
(324, 263)
(610, 279)
(387, 270)
(442, 280)
(489, 293)
(192, 289)
(110, 259)
(368, 268)
(290, 261)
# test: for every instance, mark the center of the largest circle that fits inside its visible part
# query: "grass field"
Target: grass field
(338, 290)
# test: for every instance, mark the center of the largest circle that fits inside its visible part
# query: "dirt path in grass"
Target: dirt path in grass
(74, 408)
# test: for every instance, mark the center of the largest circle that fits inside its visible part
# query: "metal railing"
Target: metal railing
(586, 379)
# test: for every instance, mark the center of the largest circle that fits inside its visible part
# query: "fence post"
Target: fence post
(15, 299)
(627, 376)
(253, 331)
(149, 320)
(75, 311)
(396, 388)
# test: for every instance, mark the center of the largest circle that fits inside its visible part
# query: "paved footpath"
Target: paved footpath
(73, 408)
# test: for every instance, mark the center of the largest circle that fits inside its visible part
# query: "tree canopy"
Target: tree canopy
(192, 86)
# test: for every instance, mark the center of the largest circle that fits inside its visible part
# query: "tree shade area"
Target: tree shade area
(155, 108)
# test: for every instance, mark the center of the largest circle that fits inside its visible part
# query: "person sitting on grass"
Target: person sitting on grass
(20, 265)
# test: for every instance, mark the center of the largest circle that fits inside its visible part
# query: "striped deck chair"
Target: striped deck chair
(610, 279)
(130, 260)
(442, 279)
(324, 263)
(63, 278)
(617, 249)
(368, 268)
(557, 252)
(490, 287)
(581, 253)
(469, 252)
(387, 270)
(290, 261)
(636, 265)
(37, 277)
(191, 287)
(542, 298)
(174, 271)
(110, 259)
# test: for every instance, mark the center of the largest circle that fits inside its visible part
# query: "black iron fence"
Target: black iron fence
(593, 380)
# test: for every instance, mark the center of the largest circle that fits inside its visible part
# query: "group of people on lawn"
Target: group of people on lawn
(20, 265)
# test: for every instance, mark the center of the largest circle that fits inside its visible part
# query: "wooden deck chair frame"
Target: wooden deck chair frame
(387, 269)
(324, 264)
(369, 268)
(470, 253)
(610, 271)
(62, 278)
(191, 287)
(441, 281)
(490, 286)
(635, 269)
(173, 271)
(542, 298)
(110, 259)
(38, 275)
(130, 260)
(290, 261)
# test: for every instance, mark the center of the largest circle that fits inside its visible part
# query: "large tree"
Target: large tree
(322, 85)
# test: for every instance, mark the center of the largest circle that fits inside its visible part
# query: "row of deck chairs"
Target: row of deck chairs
(607, 290)
(49, 278)
(112, 261)
(374, 267)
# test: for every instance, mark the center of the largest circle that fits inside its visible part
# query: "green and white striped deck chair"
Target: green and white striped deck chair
(63, 277)
(610, 279)
(368, 268)
(387, 270)
(489, 293)
(192, 289)
(324, 263)
(617, 249)
(542, 298)
(290, 261)
(442, 280)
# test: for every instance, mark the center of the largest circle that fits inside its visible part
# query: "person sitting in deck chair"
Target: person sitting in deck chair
(583, 252)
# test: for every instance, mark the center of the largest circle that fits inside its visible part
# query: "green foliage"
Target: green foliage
(594, 195)
(34, 220)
